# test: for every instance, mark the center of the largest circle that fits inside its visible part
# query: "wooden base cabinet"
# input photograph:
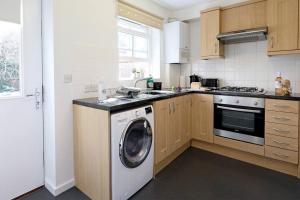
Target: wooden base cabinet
(202, 117)
(172, 125)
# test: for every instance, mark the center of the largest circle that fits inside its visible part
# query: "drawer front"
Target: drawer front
(281, 142)
(281, 130)
(281, 154)
(282, 106)
(282, 118)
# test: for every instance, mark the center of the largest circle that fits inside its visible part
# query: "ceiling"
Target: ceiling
(179, 4)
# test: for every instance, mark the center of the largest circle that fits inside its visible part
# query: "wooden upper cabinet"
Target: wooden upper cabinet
(283, 25)
(244, 16)
(202, 117)
(210, 47)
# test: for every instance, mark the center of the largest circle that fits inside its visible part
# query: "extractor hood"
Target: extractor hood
(250, 35)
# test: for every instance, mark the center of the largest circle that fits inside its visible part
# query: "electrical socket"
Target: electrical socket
(91, 88)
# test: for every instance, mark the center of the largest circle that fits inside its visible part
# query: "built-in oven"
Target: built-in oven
(239, 118)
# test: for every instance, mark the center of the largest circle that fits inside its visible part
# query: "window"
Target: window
(10, 51)
(138, 47)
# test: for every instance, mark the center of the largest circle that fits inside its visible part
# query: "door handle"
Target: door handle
(37, 96)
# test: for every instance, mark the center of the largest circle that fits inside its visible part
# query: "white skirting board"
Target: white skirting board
(57, 190)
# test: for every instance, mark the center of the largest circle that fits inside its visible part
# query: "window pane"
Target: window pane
(124, 23)
(10, 41)
(125, 53)
(140, 44)
(139, 28)
(140, 54)
(125, 41)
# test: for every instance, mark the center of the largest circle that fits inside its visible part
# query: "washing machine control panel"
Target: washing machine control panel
(148, 110)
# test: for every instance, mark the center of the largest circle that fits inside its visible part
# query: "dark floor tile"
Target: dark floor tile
(44, 194)
(200, 175)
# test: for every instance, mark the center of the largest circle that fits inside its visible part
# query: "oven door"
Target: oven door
(240, 123)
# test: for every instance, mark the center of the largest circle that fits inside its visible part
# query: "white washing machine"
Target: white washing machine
(132, 151)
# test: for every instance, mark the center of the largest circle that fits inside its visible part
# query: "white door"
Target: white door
(21, 117)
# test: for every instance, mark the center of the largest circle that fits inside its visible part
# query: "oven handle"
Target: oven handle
(239, 109)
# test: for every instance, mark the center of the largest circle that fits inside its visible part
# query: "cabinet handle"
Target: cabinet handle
(281, 131)
(281, 106)
(281, 155)
(281, 118)
(216, 46)
(281, 143)
(170, 110)
(272, 42)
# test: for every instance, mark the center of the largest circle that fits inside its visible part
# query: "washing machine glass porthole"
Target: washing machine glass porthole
(135, 143)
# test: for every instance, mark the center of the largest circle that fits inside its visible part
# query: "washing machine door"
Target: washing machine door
(135, 143)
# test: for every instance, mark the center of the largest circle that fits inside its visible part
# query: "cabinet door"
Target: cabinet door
(283, 25)
(162, 121)
(202, 117)
(176, 123)
(186, 118)
(210, 28)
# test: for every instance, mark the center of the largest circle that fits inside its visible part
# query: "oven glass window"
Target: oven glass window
(240, 122)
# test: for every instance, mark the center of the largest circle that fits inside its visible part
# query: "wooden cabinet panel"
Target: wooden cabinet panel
(210, 28)
(281, 130)
(281, 154)
(229, 20)
(282, 106)
(162, 121)
(281, 142)
(252, 15)
(282, 118)
(177, 123)
(282, 21)
(187, 118)
(202, 117)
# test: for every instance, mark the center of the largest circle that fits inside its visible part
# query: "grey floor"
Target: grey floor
(201, 175)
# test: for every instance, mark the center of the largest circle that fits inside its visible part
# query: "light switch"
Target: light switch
(68, 78)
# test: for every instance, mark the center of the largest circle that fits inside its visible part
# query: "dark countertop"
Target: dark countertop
(116, 105)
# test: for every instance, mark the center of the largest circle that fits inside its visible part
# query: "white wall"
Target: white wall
(245, 64)
(80, 39)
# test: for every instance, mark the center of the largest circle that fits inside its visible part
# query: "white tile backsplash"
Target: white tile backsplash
(245, 64)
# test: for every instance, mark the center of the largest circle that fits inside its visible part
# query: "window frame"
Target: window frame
(133, 33)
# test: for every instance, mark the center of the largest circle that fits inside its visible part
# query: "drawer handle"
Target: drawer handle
(281, 118)
(281, 106)
(281, 143)
(281, 155)
(281, 131)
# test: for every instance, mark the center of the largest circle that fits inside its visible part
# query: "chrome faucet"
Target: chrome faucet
(141, 79)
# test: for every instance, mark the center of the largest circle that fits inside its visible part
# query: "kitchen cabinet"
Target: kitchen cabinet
(187, 118)
(282, 130)
(177, 42)
(162, 126)
(283, 25)
(202, 117)
(172, 130)
(210, 46)
(244, 16)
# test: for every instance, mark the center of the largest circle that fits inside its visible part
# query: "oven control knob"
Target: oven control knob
(237, 101)
(220, 100)
(255, 103)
